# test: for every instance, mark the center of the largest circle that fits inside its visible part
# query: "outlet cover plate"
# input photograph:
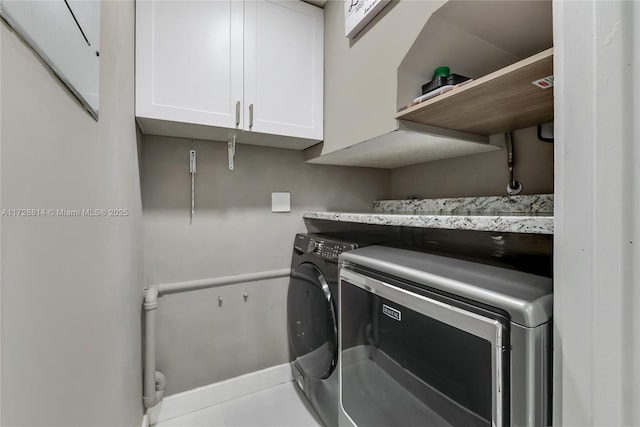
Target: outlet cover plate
(281, 202)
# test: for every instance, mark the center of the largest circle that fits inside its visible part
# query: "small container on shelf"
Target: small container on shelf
(443, 81)
(440, 80)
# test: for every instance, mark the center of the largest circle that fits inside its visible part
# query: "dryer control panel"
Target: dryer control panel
(325, 248)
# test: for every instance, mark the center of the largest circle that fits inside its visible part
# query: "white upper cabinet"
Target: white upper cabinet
(189, 61)
(283, 51)
(209, 69)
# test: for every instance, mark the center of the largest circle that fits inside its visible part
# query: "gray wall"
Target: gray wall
(233, 232)
(483, 174)
(361, 74)
(71, 286)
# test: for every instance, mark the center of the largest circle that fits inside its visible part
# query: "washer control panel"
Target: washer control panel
(321, 246)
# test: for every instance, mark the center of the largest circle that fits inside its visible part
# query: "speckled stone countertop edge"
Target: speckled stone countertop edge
(537, 224)
(499, 205)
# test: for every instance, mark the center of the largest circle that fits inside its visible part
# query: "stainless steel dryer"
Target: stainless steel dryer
(312, 317)
(432, 340)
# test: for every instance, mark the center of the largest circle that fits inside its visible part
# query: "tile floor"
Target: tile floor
(282, 405)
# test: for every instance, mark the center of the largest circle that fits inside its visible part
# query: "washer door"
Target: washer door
(311, 316)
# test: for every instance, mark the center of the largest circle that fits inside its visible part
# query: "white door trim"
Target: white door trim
(597, 213)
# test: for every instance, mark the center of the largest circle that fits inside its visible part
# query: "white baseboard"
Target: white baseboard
(202, 397)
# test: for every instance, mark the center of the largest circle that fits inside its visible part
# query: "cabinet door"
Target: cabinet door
(283, 68)
(189, 61)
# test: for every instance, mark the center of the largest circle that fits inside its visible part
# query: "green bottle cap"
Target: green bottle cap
(441, 72)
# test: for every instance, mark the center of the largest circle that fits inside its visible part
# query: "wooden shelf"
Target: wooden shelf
(498, 102)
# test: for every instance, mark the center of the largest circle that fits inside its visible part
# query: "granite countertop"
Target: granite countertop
(514, 214)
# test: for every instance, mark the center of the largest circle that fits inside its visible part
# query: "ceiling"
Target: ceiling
(319, 3)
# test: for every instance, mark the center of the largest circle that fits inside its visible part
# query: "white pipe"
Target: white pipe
(154, 382)
(172, 288)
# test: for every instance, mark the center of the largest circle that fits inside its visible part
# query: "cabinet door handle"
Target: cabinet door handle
(237, 113)
(250, 116)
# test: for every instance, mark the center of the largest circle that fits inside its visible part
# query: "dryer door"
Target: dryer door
(311, 317)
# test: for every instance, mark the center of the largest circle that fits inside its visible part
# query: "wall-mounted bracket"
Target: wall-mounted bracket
(231, 147)
(192, 171)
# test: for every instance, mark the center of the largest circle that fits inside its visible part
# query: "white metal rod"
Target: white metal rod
(172, 288)
(154, 381)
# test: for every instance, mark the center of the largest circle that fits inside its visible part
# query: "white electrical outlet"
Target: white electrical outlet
(280, 202)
